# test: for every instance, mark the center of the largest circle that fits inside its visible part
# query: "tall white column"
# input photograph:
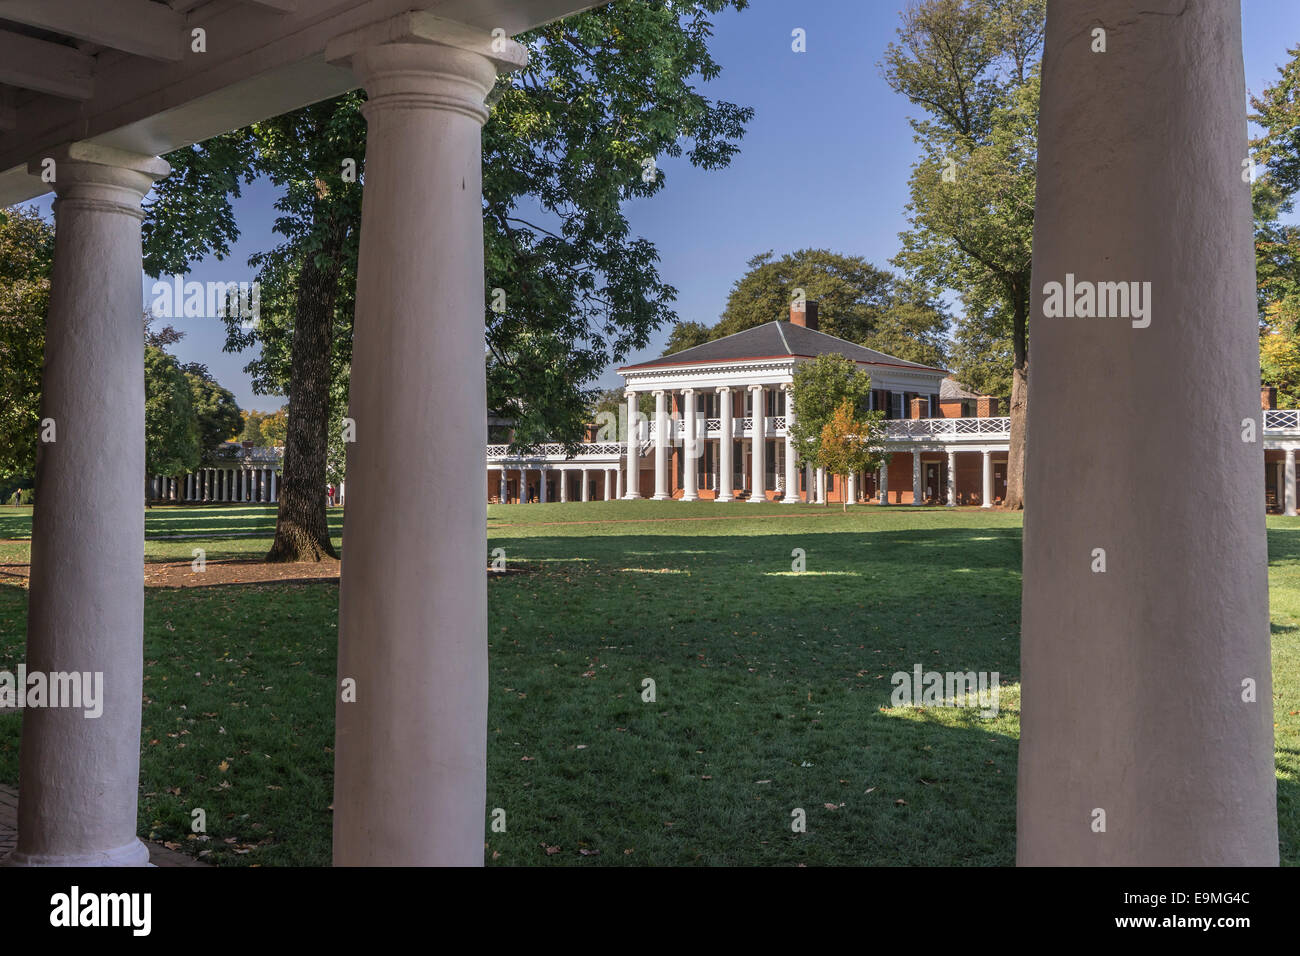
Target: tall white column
(1146, 687)
(726, 447)
(502, 487)
(757, 460)
(542, 490)
(791, 459)
(1288, 478)
(79, 777)
(275, 485)
(691, 446)
(809, 479)
(609, 484)
(986, 494)
(821, 486)
(661, 445)
(852, 489)
(633, 459)
(564, 485)
(586, 486)
(618, 482)
(952, 479)
(884, 483)
(411, 751)
(918, 497)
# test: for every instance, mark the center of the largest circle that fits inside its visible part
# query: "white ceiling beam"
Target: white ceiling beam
(45, 67)
(282, 6)
(259, 64)
(140, 27)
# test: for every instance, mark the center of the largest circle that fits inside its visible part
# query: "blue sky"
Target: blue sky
(825, 162)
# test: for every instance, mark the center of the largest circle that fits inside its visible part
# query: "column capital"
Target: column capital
(630, 393)
(93, 176)
(724, 389)
(659, 391)
(755, 388)
(416, 59)
(687, 391)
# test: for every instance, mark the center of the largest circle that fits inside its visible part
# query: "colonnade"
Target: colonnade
(608, 480)
(232, 484)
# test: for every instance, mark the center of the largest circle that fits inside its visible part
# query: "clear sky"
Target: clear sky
(824, 164)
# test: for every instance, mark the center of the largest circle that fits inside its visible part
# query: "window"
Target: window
(896, 405)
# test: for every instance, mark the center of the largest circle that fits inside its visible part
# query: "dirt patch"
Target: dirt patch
(181, 574)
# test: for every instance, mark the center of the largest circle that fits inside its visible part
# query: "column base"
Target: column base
(787, 500)
(758, 499)
(987, 505)
(134, 853)
(690, 498)
(631, 496)
(661, 498)
(725, 498)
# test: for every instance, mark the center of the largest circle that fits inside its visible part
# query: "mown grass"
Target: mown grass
(771, 688)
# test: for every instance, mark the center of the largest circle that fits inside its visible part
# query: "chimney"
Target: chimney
(986, 406)
(1268, 397)
(918, 406)
(804, 313)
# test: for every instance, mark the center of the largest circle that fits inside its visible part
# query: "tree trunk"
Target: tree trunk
(1015, 500)
(301, 525)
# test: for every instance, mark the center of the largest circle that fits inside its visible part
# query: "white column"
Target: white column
(884, 483)
(917, 494)
(586, 486)
(502, 487)
(541, 484)
(952, 479)
(633, 460)
(852, 484)
(791, 459)
(411, 752)
(79, 777)
(609, 485)
(564, 485)
(690, 449)
(726, 447)
(1288, 478)
(757, 460)
(275, 485)
(821, 486)
(1135, 680)
(986, 495)
(661, 445)
(810, 480)
(618, 482)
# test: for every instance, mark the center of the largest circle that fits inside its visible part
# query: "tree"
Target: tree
(217, 412)
(972, 66)
(687, 335)
(252, 430)
(26, 259)
(572, 136)
(1277, 245)
(820, 387)
(171, 428)
(851, 444)
(851, 294)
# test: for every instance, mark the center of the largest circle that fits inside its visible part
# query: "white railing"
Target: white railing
(1282, 420)
(939, 429)
(556, 450)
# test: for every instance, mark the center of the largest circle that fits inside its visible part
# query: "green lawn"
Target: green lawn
(772, 688)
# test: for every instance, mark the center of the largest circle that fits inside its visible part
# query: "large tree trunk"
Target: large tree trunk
(1015, 499)
(301, 525)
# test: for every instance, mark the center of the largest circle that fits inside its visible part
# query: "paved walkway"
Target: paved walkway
(158, 855)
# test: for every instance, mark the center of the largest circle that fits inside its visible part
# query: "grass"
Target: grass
(771, 688)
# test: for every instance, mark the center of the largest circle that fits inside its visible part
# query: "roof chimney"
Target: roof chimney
(804, 313)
